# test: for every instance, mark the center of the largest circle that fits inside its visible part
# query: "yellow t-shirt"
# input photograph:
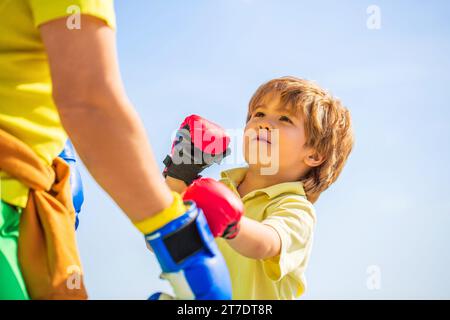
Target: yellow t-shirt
(285, 208)
(27, 110)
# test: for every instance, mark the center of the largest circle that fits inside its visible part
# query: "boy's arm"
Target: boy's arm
(176, 185)
(256, 240)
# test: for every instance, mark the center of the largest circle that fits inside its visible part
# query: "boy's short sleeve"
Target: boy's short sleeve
(47, 10)
(293, 218)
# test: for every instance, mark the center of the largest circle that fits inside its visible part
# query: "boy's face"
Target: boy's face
(274, 139)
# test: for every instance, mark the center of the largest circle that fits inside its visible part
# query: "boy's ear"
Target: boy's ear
(314, 159)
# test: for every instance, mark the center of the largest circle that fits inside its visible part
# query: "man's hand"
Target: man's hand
(189, 257)
(198, 144)
(222, 208)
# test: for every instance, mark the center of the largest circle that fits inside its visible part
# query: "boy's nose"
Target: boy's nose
(265, 125)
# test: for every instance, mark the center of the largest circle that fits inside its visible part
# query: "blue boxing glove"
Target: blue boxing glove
(68, 155)
(189, 257)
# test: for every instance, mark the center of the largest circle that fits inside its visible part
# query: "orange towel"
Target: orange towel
(47, 248)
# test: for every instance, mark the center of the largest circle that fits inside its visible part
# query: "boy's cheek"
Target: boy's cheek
(286, 147)
(290, 139)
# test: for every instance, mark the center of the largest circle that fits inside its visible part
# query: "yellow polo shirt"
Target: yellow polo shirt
(285, 208)
(27, 110)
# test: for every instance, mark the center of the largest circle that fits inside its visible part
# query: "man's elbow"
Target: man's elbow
(71, 96)
(74, 111)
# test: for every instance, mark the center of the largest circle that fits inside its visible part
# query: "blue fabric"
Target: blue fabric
(68, 154)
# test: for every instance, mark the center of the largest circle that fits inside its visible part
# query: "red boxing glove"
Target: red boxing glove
(222, 208)
(198, 144)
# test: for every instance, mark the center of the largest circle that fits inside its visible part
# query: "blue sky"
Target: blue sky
(390, 207)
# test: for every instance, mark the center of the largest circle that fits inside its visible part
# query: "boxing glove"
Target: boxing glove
(187, 253)
(223, 209)
(198, 144)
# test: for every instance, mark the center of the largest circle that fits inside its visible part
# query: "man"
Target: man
(56, 80)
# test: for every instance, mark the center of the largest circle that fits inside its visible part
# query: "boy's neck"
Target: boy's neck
(253, 180)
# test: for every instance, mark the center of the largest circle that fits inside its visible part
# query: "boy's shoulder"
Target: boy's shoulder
(291, 204)
(286, 197)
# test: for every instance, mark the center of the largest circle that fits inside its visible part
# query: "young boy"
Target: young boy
(306, 135)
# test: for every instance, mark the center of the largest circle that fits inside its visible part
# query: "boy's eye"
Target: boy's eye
(284, 118)
(259, 114)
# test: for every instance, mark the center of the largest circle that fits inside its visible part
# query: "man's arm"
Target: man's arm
(100, 120)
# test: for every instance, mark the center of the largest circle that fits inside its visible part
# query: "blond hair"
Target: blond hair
(327, 127)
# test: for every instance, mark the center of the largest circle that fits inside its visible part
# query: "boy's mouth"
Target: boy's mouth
(262, 138)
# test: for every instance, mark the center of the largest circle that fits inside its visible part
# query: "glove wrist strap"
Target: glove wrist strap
(155, 222)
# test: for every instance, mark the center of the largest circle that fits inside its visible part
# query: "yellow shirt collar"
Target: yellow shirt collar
(234, 177)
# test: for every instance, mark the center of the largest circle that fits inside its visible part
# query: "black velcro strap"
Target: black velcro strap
(184, 172)
(184, 242)
(167, 161)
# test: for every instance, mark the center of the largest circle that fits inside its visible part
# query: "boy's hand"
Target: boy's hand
(198, 144)
(221, 207)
